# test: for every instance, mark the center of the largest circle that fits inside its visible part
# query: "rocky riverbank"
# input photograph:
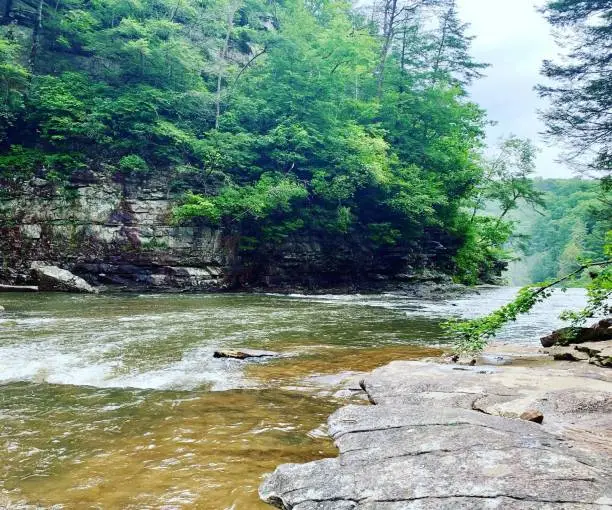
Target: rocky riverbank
(121, 233)
(442, 436)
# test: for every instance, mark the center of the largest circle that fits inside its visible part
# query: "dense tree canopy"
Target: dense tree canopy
(269, 118)
(573, 228)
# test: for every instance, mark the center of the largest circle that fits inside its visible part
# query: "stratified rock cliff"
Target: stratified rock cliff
(108, 232)
(121, 233)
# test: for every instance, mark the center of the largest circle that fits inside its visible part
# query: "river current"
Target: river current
(116, 402)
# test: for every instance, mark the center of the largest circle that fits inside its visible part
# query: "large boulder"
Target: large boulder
(598, 332)
(53, 278)
(441, 437)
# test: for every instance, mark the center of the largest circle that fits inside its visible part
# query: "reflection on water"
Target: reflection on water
(106, 401)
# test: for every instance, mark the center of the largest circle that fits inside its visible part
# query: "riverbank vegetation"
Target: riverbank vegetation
(268, 119)
(577, 233)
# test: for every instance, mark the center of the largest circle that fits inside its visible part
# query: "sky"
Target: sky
(514, 38)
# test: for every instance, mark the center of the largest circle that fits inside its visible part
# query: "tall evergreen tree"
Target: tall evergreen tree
(451, 49)
(580, 114)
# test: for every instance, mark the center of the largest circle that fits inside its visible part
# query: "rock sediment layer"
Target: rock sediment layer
(120, 233)
(447, 437)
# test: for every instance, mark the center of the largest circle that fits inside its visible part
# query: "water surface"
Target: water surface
(115, 401)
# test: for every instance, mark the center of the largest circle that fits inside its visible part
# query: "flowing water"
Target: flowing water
(116, 402)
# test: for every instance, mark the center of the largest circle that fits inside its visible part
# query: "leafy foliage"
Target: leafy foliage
(472, 335)
(271, 118)
(580, 115)
(506, 183)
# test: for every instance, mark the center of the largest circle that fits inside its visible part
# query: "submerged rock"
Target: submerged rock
(53, 278)
(599, 331)
(245, 353)
(440, 438)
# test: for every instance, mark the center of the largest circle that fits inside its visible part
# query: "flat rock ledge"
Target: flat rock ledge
(446, 437)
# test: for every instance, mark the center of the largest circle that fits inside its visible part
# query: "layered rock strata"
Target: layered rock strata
(121, 233)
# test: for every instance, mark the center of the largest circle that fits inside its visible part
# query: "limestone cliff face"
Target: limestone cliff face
(348, 261)
(109, 232)
(120, 234)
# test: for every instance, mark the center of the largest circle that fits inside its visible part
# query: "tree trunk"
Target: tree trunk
(403, 60)
(390, 12)
(175, 10)
(36, 37)
(6, 15)
(442, 45)
(224, 50)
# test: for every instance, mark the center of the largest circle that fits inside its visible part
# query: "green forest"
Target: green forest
(552, 241)
(267, 118)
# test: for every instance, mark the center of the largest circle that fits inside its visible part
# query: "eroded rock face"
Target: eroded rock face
(53, 278)
(441, 438)
(110, 233)
(119, 231)
(600, 331)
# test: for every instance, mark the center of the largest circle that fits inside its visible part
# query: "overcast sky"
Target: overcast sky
(514, 38)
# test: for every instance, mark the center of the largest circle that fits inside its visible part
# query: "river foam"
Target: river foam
(168, 341)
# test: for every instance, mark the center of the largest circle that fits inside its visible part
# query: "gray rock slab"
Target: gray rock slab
(439, 452)
(18, 288)
(53, 278)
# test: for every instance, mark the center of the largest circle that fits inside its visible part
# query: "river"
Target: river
(116, 402)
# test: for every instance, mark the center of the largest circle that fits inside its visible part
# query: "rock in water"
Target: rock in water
(244, 354)
(53, 278)
(1, 308)
(18, 288)
(598, 332)
(532, 415)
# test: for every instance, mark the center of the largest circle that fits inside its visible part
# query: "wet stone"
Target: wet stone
(244, 354)
(53, 278)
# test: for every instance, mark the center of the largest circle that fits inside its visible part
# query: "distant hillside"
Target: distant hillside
(572, 226)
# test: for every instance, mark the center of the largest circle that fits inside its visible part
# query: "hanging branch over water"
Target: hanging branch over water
(472, 335)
